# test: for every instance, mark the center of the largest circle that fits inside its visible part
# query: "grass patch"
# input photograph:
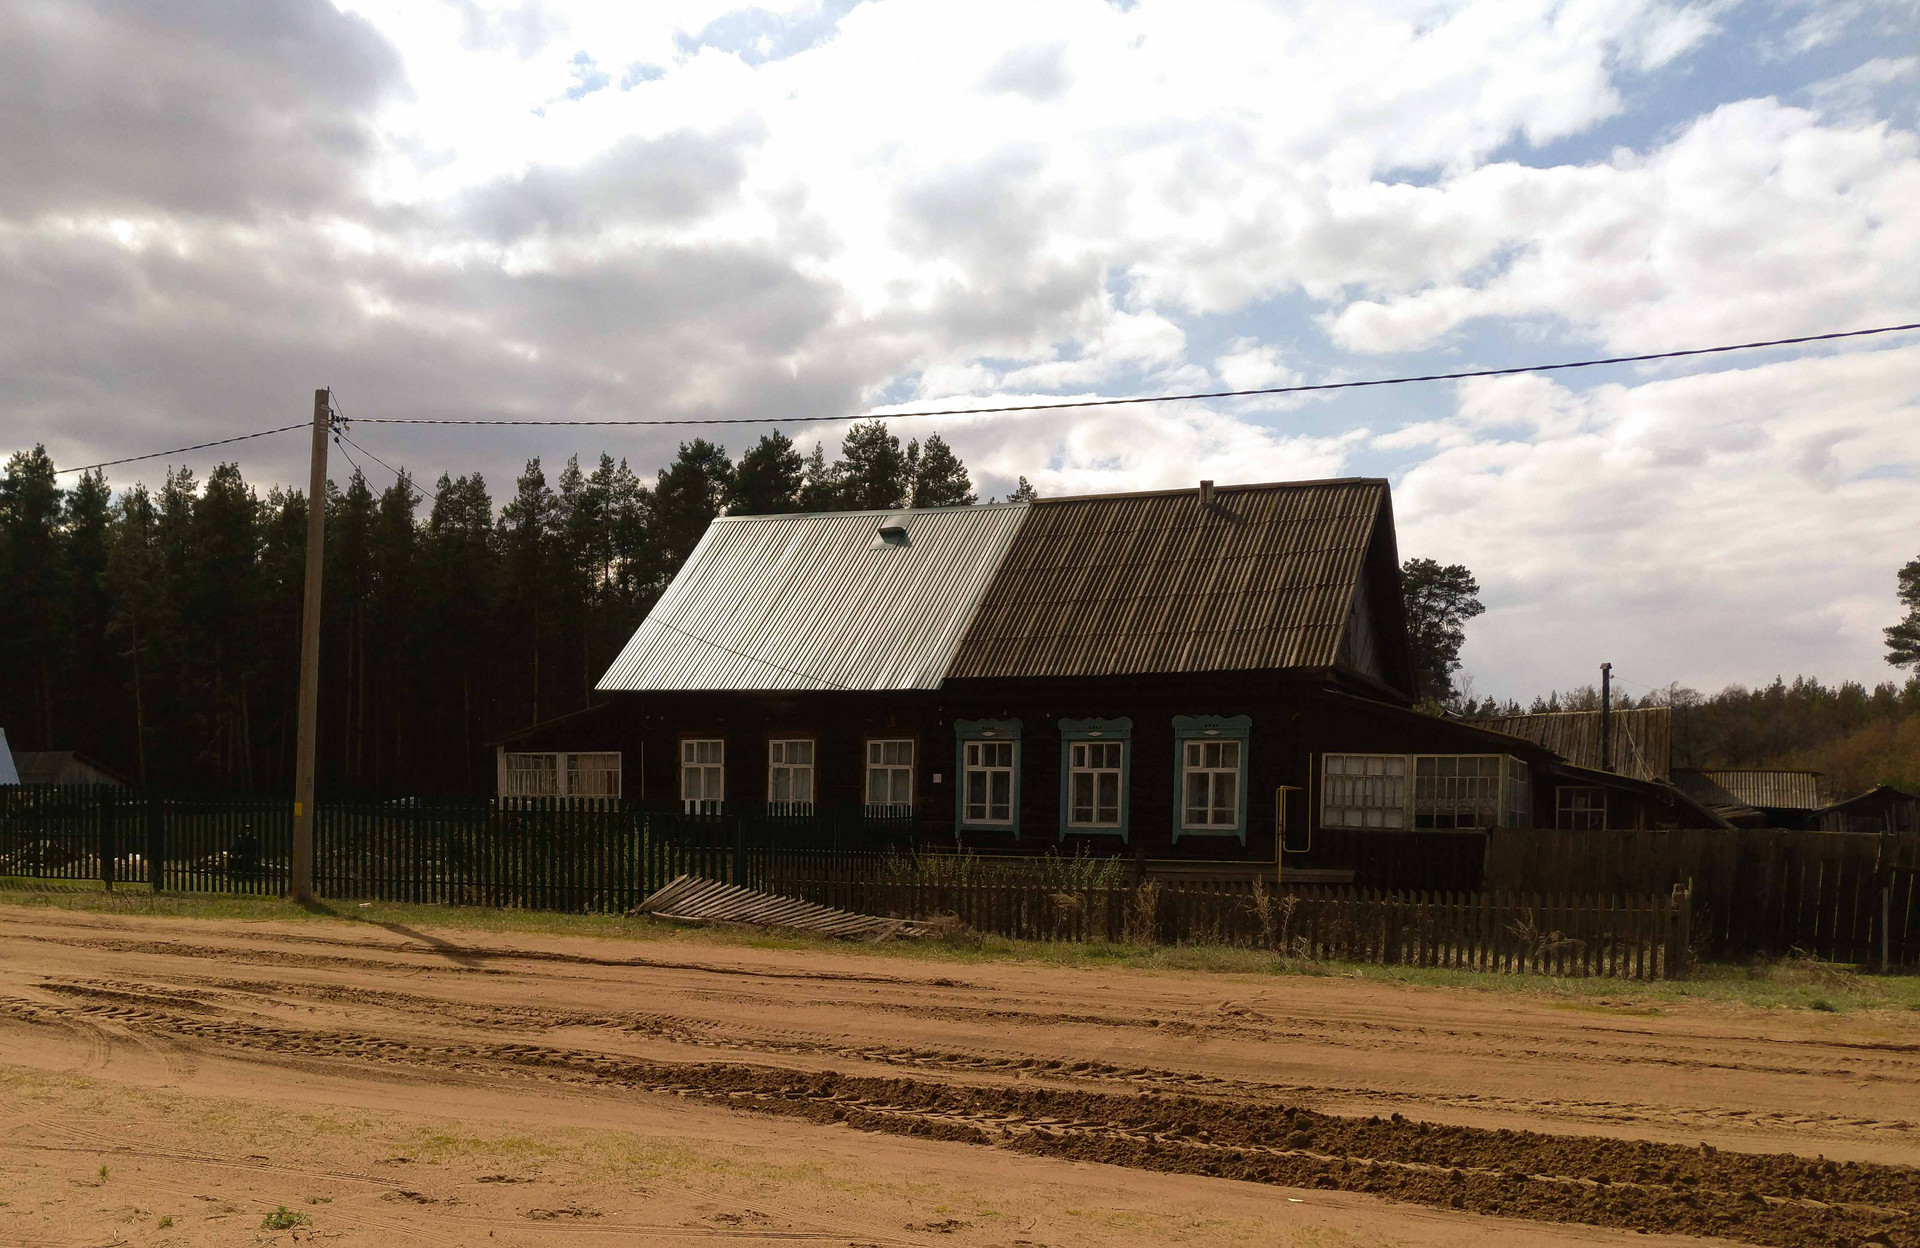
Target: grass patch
(1799, 983)
(284, 1219)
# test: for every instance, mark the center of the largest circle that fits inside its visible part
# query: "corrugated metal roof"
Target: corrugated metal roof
(812, 602)
(1781, 790)
(1138, 583)
(1642, 738)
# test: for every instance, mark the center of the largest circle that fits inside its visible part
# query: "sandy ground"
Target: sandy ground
(455, 1088)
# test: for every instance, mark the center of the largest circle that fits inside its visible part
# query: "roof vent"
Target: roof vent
(1206, 495)
(893, 531)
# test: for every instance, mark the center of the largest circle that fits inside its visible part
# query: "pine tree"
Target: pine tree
(132, 577)
(873, 468)
(821, 489)
(1903, 639)
(30, 605)
(1023, 492)
(1439, 602)
(768, 479)
(939, 478)
(92, 670)
(531, 579)
(687, 497)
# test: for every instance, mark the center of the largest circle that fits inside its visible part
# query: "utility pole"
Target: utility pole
(1606, 717)
(307, 740)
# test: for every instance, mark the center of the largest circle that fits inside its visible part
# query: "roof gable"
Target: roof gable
(1265, 578)
(819, 601)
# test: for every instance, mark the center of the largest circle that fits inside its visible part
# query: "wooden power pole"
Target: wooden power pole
(307, 740)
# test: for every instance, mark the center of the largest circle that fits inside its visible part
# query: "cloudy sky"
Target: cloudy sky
(449, 208)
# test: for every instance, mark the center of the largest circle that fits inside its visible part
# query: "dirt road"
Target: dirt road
(683, 1092)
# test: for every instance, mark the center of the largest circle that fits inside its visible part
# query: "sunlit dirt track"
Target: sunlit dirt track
(1301, 1107)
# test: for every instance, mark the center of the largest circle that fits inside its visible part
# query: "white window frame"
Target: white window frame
(1441, 798)
(1079, 764)
(779, 750)
(1368, 791)
(561, 773)
(875, 762)
(973, 755)
(690, 762)
(1189, 770)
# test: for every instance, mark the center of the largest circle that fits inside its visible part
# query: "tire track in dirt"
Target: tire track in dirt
(453, 949)
(704, 1033)
(1780, 1200)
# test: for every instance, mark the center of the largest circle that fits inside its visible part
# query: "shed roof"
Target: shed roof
(7, 773)
(1769, 788)
(819, 602)
(1268, 577)
(1642, 738)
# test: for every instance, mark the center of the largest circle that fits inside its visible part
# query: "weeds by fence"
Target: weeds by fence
(606, 856)
(1625, 937)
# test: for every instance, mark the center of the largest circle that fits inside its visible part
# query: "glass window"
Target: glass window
(1093, 784)
(1580, 807)
(562, 774)
(1212, 784)
(1457, 791)
(1363, 791)
(703, 772)
(988, 779)
(532, 775)
(790, 770)
(890, 772)
(593, 775)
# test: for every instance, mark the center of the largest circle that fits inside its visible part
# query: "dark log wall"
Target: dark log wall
(1292, 725)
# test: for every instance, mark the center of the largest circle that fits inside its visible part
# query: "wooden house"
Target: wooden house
(1184, 676)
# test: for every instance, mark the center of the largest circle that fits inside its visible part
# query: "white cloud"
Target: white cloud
(691, 209)
(1712, 528)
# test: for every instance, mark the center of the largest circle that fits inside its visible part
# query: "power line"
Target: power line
(751, 658)
(1176, 398)
(181, 450)
(1051, 406)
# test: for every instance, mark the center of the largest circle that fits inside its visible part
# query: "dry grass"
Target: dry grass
(1796, 982)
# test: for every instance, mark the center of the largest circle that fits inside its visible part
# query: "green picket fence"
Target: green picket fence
(552, 854)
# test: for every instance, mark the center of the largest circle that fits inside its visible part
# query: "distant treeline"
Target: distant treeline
(159, 630)
(1859, 736)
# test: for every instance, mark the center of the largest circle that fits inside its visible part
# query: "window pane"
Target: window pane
(1081, 794)
(876, 787)
(976, 795)
(1230, 754)
(1078, 755)
(1109, 804)
(1194, 754)
(1197, 790)
(781, 790)
(902, 787)
(1226, 785)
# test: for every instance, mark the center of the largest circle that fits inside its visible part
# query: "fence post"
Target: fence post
(156, 830)
(1886, 922)
(1679, 923)
(109, 816)
(739, 851)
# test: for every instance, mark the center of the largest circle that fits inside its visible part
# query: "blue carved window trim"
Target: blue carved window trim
(1210, 728)
(965, 730)
(1083, 730)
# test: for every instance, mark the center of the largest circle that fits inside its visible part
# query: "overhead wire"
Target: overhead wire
(1055, 405)
(182, 450)
(1061, 405)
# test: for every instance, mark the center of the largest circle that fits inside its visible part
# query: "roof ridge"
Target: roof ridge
(1194, 490)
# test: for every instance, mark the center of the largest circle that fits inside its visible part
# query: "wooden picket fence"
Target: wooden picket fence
(1757, 892)
(1627, 937)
